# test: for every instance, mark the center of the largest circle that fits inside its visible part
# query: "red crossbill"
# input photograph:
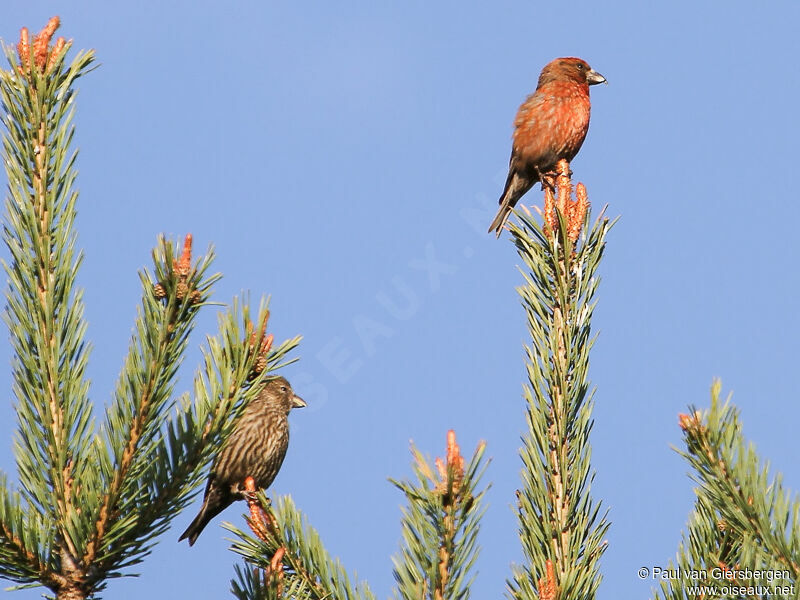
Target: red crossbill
(550, 125)
(255, 448)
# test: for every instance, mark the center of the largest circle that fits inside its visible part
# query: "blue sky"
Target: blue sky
(331, 153)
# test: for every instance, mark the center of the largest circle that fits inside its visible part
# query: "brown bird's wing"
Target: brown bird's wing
(217, 498)
(529, 150)
(517, 183)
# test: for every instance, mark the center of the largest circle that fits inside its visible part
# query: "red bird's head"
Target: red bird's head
(570, 69)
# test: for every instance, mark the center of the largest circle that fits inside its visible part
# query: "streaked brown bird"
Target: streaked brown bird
(255, 448)
(550, 125)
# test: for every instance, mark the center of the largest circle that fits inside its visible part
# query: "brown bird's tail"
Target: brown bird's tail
(212, 506)
(516, 186)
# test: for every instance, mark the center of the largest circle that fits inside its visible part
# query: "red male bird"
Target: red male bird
(550, 125)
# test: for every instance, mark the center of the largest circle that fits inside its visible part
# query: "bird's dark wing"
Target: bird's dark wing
(518, 182)
(217, 498)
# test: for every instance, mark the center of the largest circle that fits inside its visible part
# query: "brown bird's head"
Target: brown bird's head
(570, 69)
(278, 392)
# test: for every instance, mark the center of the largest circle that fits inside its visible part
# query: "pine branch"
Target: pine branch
(145, 388)
(709, 547)
(253, 583)
(92, 503)
(45, 310)
(560, 525)
(20, 538)
(304, 568)
(440, 526)
(742, 520)
(167, 470)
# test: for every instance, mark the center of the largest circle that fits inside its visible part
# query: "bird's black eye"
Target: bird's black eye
(283, 388)
(580, 66)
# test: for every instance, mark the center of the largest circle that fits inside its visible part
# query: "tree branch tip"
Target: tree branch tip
(43, 56)
(547, 584)
(560, 201)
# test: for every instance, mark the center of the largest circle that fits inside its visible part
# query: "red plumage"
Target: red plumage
(550, 125)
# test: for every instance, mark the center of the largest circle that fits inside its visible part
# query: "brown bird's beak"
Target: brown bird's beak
(298, 402)
(593, 77)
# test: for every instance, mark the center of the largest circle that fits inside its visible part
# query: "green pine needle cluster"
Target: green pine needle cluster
(559, 521)
(743, 518)
(440, 526)
(307, 570)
